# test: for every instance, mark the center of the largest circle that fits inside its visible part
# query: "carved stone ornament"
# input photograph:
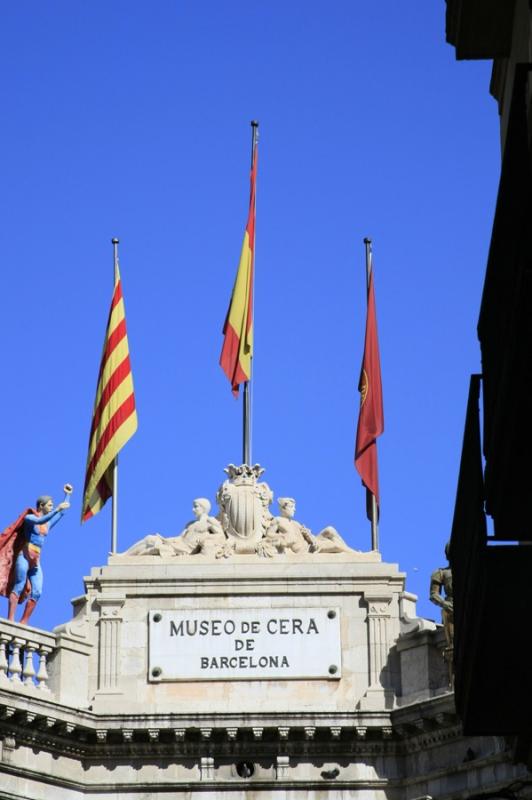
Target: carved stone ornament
(244, 525)
(244, 507)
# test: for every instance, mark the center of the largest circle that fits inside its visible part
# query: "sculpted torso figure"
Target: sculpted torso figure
(244, 525)
(202, 535)
(285, 533)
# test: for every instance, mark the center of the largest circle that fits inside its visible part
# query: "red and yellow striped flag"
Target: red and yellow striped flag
(114, 419)
(237, 348)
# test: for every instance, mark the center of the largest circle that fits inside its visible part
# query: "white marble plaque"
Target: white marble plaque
(244, 644)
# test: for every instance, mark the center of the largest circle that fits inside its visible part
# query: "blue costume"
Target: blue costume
(28, 563)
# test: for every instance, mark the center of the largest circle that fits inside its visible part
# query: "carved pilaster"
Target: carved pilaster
(207, 768)
(7, 747)
(379, 644)
(378, 634)
(110, 624)
(282, 767)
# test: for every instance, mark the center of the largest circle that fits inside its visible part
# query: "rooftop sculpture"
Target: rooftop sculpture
(244, 525)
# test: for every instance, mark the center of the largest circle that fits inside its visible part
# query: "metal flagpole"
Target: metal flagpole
(114, 514)
(371, 501)
(246, 439)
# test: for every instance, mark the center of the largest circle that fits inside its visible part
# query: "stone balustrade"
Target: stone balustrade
(24, 655)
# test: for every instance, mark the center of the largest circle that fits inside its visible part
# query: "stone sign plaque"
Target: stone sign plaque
(244, 644)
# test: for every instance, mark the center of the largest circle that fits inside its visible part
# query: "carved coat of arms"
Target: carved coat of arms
(243, 526)
(244, 506)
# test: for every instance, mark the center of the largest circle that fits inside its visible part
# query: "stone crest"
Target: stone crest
(244, 506)
(244, 526)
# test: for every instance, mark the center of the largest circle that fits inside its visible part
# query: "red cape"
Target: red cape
(11, 542)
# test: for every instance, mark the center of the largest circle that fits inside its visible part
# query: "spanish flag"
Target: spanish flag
(114, 419)
(237, 348)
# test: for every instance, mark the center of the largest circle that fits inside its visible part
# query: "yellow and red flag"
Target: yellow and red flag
(371, 416)
(237, 348)
(114, 419)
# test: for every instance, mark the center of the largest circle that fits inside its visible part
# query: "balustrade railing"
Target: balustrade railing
(24, 654)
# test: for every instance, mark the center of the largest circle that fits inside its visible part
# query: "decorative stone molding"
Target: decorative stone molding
(29, 670)
(378, 634)
(207, 768)
(17, 649)
(42, 673)
(282, 767)
(109, 643)
(379, 693)
(8, 745)
(244, 525)
(4, 641)
(15, 666)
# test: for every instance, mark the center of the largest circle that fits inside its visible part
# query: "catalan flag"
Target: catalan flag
(237, 348)
(114, 419)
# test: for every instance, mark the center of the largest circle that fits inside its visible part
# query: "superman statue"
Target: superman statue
(21, 574)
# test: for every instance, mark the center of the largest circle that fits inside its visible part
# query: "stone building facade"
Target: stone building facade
(246, 658)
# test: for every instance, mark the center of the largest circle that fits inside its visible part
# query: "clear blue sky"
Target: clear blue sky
(131, 118)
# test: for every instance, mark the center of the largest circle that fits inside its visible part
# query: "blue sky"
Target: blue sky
(131, 119)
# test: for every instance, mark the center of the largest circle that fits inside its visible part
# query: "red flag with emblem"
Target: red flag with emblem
(371, 416)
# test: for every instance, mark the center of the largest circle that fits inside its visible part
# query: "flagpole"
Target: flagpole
(114, 513)
(246, 438)
(371, 500)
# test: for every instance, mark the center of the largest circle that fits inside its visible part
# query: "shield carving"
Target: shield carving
(244, 507)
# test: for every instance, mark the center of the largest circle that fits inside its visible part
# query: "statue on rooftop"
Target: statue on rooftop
(243, 526)
(21, 574)
(441, 594)
(285, 534)
(204, 535)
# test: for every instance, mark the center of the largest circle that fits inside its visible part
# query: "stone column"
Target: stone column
(110, 625)
(379, 644)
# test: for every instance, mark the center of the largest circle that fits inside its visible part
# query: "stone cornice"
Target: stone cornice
(46, 724)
